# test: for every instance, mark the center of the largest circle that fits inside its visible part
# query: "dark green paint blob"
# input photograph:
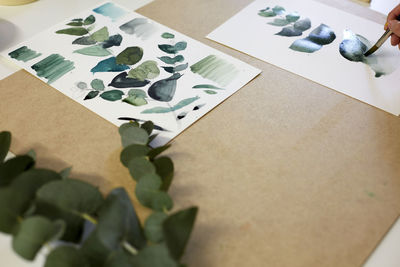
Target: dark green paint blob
(167, 35)
(130, 55)
(91, 95)
(86, 40)
(173, 49)
(322, 35)
(289, 31)
(207, 86)
(172, 60)
(114, 40)
(164, 90)
(24, 54)
(215, 69)
(305, 45)
(112, 95)
(89, 20)
(353, 48)
(79, 31)
(176, 69)
(53, 67)
(109, 65)
(181, 104)
(122, 81)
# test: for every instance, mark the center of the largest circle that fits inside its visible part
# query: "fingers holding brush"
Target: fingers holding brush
(393, 23)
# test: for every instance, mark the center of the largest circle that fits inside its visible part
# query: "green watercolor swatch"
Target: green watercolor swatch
(180, 105)
(53, 67)
(95, 51)
(24, 54)
(215, 69)
(207, 86)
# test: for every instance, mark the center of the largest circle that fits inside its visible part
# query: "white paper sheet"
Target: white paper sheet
(188, 103)
(248, 32)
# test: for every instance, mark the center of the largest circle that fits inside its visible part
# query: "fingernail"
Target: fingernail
(386, 26)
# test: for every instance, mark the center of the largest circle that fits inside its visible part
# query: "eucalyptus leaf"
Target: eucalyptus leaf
(165, 169)
(119, 258)
(177, 229)
(133, 135)
(140, 167)
(161, 201)
(79, 31)
(157, 151)
(118, 222)
(130, 55)
(112, 95)
(33, 233)
(153, 227)
(91, 95)
(97, 84)
(148, 193)
(13, 167)
(100, 35)
(72, 195)
(154, 256)
(172, 60)
(89, 20)
(5, 142)
(94, 250)
(133, 151)
(148, 126)
(66, 256)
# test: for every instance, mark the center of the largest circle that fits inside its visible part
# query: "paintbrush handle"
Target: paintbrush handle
(384, 37)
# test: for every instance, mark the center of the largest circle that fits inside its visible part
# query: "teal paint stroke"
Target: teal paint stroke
(53, 67)
(180, 105)
(215, 69)
(110, 10)
(24, 54)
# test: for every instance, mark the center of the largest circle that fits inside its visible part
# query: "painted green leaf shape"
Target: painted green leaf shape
(266, 13)
(176, 69)
(75, 23)
(100, 35)
(207, 86)
(167, 35)
(135, 101)
(305, 45)
(210, 92)
(89, 20)
(73, 31)
(122, 81)
(137, 93)
(95, 51)
(33, 233)
(293, 17)
(114, 40)
(81, 85)
(279, 22)
(303, 25)
(109, 65)
(172, 60)
(289, 31)
(173, 49)
(24, 54)
(180, 105)
(177, 229)
(68, 256)
(164, 90)
(112, 95)
(97, 84)
(78, 20)
(130, 55)
(91, 95)
(322, 35)
(86, 40)
(278, 10)
(146, 70)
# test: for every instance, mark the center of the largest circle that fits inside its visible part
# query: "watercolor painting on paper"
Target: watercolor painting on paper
(308, 39)
(126, 67)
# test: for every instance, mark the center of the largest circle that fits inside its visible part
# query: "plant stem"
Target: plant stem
(88, 218)
(131, 249)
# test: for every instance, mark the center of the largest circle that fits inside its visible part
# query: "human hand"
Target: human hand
(393, 23)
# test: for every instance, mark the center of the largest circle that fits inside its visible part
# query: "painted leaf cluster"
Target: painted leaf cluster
(320, 36)
(41, 206)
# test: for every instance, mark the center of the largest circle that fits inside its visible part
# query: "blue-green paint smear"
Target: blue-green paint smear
(110, 10)
(53, 67)
(24, 54)
(109, 65)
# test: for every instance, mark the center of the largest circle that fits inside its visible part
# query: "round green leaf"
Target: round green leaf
(130, 55)
(133, 135)
(33, 233)
(91, 95)
(162, 201)
(133, 151)
(5, 142)
(135, 101)
(72, 195)
(13, 167)
(139, 167)
(82, 85)
(97, 84)
(165, 168)
(119, 259)
(153, 227)
(66, 256)
(148, 126)
(147, 187)
(112, 95)
(137, 93)
(154, 256)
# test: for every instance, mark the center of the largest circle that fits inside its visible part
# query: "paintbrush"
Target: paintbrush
(379, 43)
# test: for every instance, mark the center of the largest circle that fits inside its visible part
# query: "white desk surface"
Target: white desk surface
(22, 22)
